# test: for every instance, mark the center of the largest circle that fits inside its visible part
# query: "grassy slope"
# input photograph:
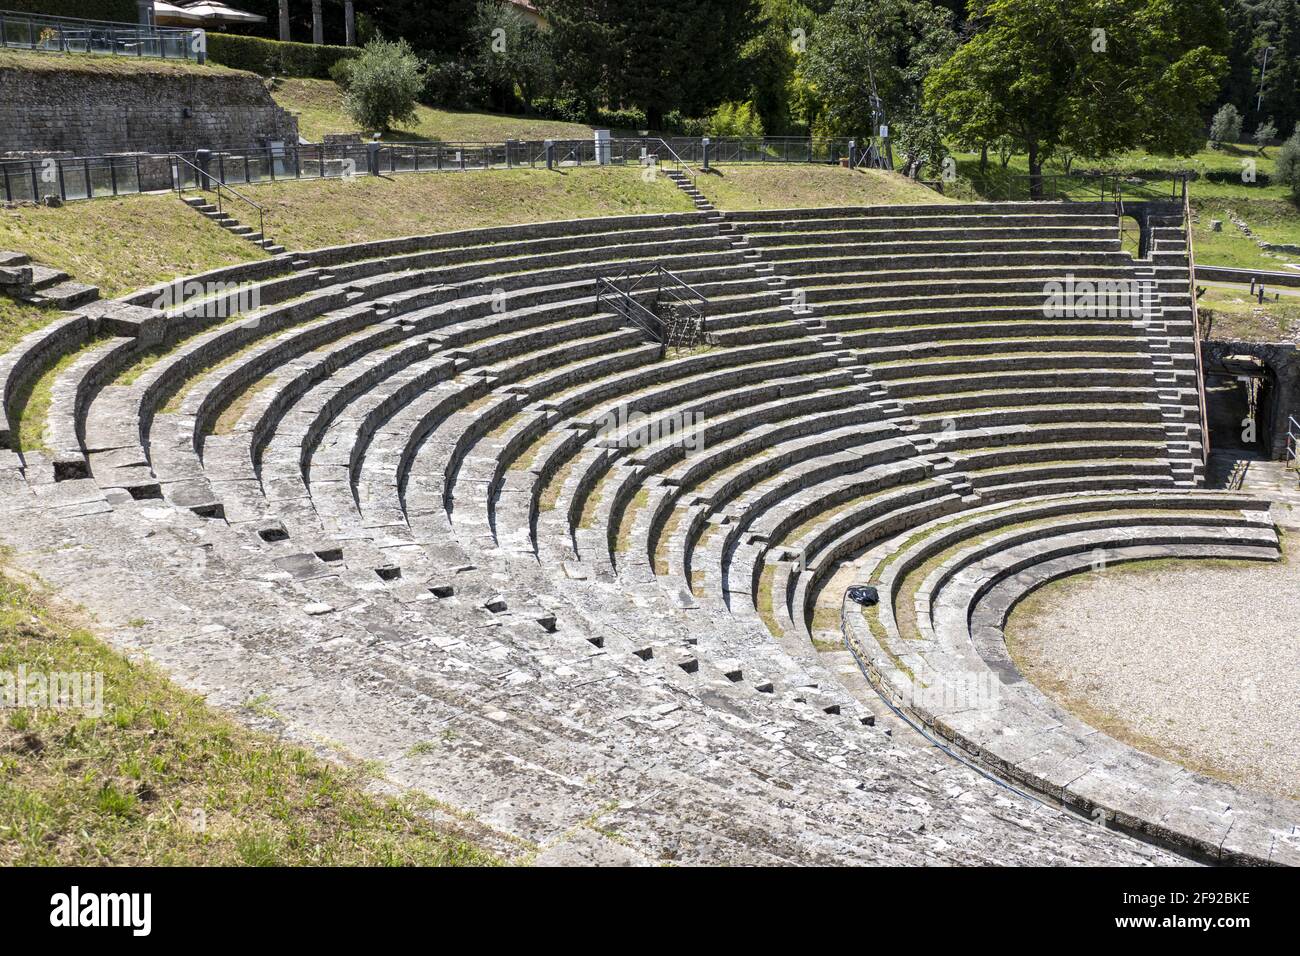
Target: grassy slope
(1269, 210)
(122, 244)
(310, 215)
(1233, 315)
(95, 64)
(782, 186)
(319, 105)
(161, 779)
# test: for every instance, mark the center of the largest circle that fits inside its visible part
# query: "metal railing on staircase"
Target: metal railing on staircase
(204, 181)
(686, 307)
(1196, 321)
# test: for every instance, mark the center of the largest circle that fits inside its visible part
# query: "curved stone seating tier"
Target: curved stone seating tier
(935, 645)
(444, 447)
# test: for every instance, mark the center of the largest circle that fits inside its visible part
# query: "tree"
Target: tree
(1264, 132)
(662, 56)
(383, 85)
(1226, 125)
(770, 61)
(736, 119)
(893, 42)
(1094, 76)
(1288, 163)
(1255, 26)
(438, 28)
(514, 55)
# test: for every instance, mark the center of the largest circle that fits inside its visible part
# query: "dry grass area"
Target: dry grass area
(308, 215)
(124, 243)
(796, 186)
(159, 778)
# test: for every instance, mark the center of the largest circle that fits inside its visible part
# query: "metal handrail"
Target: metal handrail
(204, 176)
(1292, 440)
(1196, 321)
(681, 163)
(622, 288)
(623, 303)
(73, 31)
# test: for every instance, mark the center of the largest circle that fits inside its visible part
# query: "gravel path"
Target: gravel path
(1196, 662)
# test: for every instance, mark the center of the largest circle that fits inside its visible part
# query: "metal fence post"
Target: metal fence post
(203, 160)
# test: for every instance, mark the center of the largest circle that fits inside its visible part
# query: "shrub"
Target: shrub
(680, 125)
(276, 58)
(621, 119)
(565, 106)
(454, 84)
(1264, 132)
(119, 11)
(341, 72)
(384, 84)
(736, 119)
(1226, 126)
(1288, 163)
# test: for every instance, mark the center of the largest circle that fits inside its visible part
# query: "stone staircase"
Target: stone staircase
(232, 225)
(39, 285)
(684, 182)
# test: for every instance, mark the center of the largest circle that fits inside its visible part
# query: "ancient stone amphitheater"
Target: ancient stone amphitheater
(442, 508)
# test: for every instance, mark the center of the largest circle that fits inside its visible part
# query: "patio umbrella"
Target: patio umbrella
(167, 15)
(211, 12)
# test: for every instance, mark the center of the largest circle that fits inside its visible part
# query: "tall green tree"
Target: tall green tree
(1255, 26)
(383, 85)
(1091, 77)
(438, 28)
(660, 56)
(513, 55)
(886, 45)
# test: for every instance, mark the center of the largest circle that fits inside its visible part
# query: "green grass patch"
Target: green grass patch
(18, 320)
(1233, 314)
(319, 105)
(229, 418)
(1275, 221)
(30, 404)
(124, 243)
(161, 779)
(623, 542)
(765, 604)
(92, 64)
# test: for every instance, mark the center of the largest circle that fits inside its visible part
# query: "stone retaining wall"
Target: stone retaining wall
(91, 114)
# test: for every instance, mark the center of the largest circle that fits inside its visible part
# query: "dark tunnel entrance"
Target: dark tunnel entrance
(1240, 401)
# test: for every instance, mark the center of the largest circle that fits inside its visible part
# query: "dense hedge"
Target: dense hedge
(120, 11)
(274, 58)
